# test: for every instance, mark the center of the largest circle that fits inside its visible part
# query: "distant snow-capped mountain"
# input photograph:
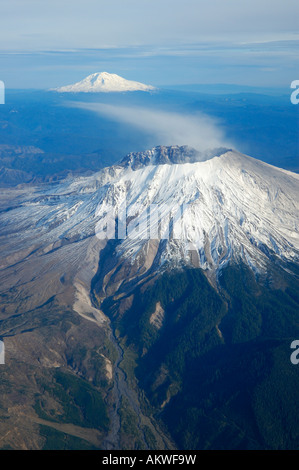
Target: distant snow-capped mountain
(104, 82)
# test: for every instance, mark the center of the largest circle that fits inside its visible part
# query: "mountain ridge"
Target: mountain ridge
(175, 154)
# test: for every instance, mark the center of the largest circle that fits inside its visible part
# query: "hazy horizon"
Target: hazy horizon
(160, 42)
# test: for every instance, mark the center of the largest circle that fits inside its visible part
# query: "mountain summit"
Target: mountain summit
(104, 82)
(170, 155)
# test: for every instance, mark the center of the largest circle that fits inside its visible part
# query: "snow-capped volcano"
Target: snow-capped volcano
(221, 204)
(104, 82)
(171, 207)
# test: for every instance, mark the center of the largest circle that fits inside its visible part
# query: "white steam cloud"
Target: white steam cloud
(169, 128)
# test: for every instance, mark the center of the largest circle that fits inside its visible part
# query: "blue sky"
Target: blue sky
(160, 42)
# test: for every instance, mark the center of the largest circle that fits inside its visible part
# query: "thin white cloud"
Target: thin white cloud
(169, 128)
(32, 24)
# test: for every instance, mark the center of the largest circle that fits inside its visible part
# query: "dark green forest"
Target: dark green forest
(218, 370)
